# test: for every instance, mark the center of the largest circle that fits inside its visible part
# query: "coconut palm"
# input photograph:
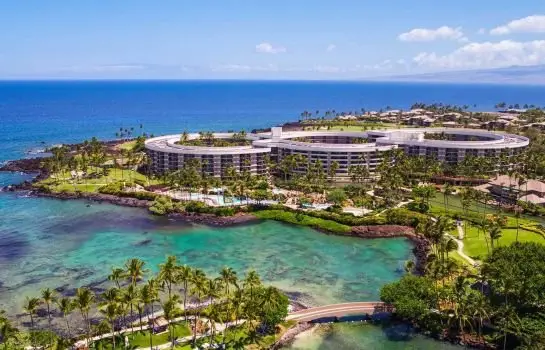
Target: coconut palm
(149, 295)
(30, 307)
(49, 297)
(447, 190)
(185, 275)
(170, 311)
(213, 292)
(8, 333)
(130, 298)
(110, 311)
(168, 274)
(198, 290)
(135, 270)
(83, 301)
(495, 234)
(66, 306)
(116, 276)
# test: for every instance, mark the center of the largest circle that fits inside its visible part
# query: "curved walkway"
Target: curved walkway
(337, 310)
(460, 249)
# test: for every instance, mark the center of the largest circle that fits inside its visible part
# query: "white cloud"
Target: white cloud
(106, 68)
(444, 33)
(530, 24)
(486, 55)
(266, 47)
(244, 68)
(331, 47)
(481, 31)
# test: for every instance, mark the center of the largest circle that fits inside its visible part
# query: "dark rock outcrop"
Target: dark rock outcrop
(98, 197)
(216, 221)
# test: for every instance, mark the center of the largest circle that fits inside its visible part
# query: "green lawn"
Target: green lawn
(141, 338)
(475, 244)
(129, 145)
(437, 208)
(62, 183)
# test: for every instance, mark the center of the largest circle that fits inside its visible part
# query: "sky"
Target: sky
(258, 39)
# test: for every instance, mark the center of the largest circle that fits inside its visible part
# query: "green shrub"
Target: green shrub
(405, 217)
(299, 218)
(161, 206)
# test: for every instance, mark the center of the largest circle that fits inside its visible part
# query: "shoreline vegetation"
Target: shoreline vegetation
(433, 204)
(179, 307)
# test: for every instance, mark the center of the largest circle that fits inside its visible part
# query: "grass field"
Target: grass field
(129, 145)
(63, 183)
(476, 246)
(140, 339)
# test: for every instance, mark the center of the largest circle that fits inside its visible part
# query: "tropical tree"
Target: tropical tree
(198, 290)
(30, 307)
(135, 270)
(49, 297)
(83, 301)
(110, 311)
(8, 333)
(185, 276)
(116, 276)
(168, 274)
(66, 306)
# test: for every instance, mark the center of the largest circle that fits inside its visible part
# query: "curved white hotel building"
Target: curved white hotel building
(344, 147)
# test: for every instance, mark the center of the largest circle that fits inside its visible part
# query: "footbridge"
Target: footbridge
(336, 312)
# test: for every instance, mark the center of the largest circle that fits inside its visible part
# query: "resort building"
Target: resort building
(345, 148)
(512, 189)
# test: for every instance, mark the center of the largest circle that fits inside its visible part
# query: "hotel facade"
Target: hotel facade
(346, 148)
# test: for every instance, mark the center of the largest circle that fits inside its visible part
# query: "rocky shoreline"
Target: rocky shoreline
(421, 245)
(288, 337)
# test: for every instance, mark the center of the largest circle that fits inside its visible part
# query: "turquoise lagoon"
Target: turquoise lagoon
(64, 244)
(365, 336)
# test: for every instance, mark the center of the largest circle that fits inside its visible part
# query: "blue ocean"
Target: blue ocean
(65, 244)
(38, 113)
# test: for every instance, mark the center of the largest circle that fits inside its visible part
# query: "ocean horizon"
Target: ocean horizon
(39, 113)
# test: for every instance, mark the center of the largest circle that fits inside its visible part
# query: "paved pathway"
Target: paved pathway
(336, 310)
(460, 243)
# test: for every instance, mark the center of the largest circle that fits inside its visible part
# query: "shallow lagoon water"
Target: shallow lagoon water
(365, 336)
(54, 243)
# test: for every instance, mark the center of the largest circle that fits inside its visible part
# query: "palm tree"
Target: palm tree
(170, 313)
(447, 190)
(8, 332)
(110, 311)
(213, 292)
(116, 276)
(48, 297)
(168, 274)
(270, 299)
(149, 295)
(66, 306)
(30, 307)
(131, 298)
(198, 290)
(495, 234)
(184, 277)
(480, 311)
(135, 270)
(83, 300)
